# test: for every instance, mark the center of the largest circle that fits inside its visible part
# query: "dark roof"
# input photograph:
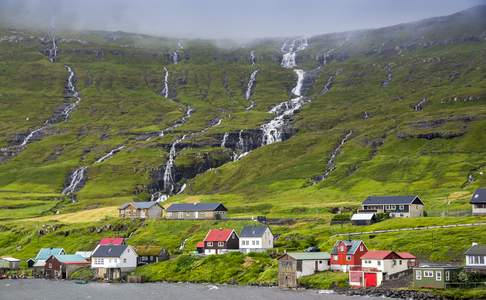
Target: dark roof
(140, 205)
(476, 250)
(109, 251)
(479, 196)
(196, 207)
(393, 200)
(253, 231)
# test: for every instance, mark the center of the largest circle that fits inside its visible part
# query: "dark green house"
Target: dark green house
(435, 276)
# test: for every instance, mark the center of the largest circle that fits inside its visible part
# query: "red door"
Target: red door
(370, 279)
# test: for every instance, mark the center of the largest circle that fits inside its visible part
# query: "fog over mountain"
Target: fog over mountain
(223, 18)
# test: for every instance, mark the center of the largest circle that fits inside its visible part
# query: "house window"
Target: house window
(361, 248)
(428, 273)
(393, 207)
(220, 244)
(378, 262)
(50, 266)
(125, 260)
(320, 261)
(342, 249)
(348, 257)
(335, 257)
(210, 244)
(299, 265)
(401, 207)
(400, 262)
(447, 275)
(418, 275)
(470, 260)
(258, 243)
(438, 275)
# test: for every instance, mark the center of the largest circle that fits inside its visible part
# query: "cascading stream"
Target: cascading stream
(76, 180)
(109, 154)
(250, 89)
(165, 86)
(331, 163)
(252, 57)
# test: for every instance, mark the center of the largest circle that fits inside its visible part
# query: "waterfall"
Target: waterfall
(64, 114)
(165, 88)
(251, 83)
(252, 57)
(420, 105)
(169, 180)
(183, 244)
(331, 163)
(241, 147)
(273, 131)
(178, 123)
(291, 49)
(328, 85)
(52, 51)
(109, 154)
(175, 57)
(76, 180)
(225, 137)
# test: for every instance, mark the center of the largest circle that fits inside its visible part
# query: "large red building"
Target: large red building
(346, 254)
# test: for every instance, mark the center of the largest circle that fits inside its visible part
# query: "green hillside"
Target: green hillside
(412, 98)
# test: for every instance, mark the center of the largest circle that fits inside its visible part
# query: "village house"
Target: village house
(256, 239)
(478, 202)
(394, 206)
(377, 266)
(61, 266)
(151, 254)
(361, 219)
(112, 262)
(435, 276)
(196, 211)
(8, 264)
(114, 241)
(476, 259)
(409, 258)
(294, 265)
(141, 210)
(220, 241)
(346, 254)
(38, 263)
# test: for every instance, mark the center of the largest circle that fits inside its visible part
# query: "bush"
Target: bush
(85, 273)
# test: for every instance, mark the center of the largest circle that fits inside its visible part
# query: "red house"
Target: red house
(346, 254)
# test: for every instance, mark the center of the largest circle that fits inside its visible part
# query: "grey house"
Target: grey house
(196, 211)
(256, 238)
(478, 202)
(141, 210)
(395, 206)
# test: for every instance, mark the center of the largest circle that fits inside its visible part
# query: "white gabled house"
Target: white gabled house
(476, 259)
(256, 239)
(478, 202)
(112, 262)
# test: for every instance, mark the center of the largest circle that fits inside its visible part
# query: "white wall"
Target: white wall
(308, 267)
(264, 242)
(386, 265)
(479, 211)
(127, 260)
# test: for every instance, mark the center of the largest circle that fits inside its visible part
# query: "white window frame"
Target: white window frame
(447, 275)
(220, 244)
(418, 275)
(438, 275)
(210, 244)
(429, 274)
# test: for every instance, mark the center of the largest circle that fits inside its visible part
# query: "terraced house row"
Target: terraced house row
(176, 211)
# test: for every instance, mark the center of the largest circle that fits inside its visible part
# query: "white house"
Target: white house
(376, 266)
(478, 202)
(256, 239)
(113, 261)
(476, 258)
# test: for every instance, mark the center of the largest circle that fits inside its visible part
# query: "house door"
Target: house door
(370, 279)
(316, 268)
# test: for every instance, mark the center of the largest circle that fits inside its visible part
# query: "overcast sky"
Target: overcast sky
(225, 18)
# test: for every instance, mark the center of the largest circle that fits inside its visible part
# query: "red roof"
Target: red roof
(406, 255)
(116, 241)
(218, 235)
(200, 245)
(380, 254)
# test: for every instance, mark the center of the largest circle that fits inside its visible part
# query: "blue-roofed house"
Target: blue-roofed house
(478, 202)
(256, 238)
(196, 211)
(141, 210)
(39, 261)
(395, 206)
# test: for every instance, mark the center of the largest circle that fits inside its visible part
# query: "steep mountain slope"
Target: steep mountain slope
(393, 110)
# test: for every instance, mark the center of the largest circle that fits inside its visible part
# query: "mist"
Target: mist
(232, 19)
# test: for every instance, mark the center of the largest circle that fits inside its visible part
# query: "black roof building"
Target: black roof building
(392, 200)
(109, 251)
(196, 207)
(479, 196)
